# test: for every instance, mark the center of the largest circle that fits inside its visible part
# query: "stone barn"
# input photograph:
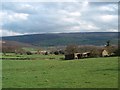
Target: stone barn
(73, 56)
(69, 56)
(86, 54)
(77, 55)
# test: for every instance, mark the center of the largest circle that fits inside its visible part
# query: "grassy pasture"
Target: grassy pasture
(57, 73)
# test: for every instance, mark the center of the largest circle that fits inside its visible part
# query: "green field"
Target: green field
(53, 72)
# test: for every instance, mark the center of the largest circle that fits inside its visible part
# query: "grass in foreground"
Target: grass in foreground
(84, 73)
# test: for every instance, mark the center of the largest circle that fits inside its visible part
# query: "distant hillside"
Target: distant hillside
(91, 38)
(14, 44)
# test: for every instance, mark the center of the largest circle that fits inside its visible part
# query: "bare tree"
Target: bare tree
(71, 49)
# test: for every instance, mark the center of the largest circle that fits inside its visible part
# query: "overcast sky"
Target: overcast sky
(20, 18)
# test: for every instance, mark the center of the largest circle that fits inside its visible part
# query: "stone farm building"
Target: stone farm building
(77, 55)
(107, 53)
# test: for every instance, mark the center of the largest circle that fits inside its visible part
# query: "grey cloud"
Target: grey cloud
(45, 17)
